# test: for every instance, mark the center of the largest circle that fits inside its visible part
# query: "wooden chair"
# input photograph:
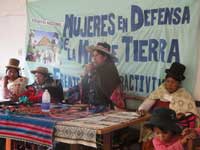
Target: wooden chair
(132, 102)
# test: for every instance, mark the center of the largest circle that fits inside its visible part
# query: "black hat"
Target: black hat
(176, 71)
(165, 119)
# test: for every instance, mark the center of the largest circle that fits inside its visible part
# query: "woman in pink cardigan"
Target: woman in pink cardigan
(167, 134)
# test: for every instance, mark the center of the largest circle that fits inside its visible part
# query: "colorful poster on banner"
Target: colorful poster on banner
(145, 36)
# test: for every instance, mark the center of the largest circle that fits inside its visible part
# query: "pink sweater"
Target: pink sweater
(198, 131)
(173, 144)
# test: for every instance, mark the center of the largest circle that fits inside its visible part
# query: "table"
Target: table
(99, 124)
(107, 132)
(83, 125)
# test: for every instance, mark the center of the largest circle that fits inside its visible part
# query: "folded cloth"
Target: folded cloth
(26, 128)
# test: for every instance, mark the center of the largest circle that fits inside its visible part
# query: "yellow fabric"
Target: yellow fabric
(18, 86)
(180, 101)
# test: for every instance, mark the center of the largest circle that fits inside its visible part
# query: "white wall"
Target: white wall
(12, 30)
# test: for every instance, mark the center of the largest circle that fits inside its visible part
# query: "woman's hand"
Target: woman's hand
(142, 112)
(119, 109)
(14, 97)
(186, 131)
(188, 134)
(180, 115)
(5, 81)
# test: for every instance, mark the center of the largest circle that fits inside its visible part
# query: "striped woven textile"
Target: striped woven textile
(83, 130)
(37, 130)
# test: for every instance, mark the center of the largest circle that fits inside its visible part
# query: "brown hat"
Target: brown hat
(42, 70)
(13, 63)
(103, 47)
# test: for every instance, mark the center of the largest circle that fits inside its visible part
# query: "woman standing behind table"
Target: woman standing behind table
(105, 77)
(13, 83)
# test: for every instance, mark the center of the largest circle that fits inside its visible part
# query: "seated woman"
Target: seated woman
(13, 83)
(43, 81)
(171, 94)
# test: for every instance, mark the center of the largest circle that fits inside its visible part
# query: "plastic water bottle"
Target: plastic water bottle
(46, 101)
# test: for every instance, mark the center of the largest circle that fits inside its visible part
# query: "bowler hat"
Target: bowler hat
(13, 63)
(176, 71)
(42, 70)
(103, 47)
(165, 119)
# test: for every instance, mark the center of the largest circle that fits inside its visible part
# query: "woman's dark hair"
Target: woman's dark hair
(165, 130)
(49, 77)
(104, 54)
(170, 76)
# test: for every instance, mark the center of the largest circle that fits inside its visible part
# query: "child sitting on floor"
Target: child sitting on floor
(167, 133)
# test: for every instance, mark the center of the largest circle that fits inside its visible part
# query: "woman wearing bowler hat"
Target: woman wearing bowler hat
(171, 93)
(13, 83)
